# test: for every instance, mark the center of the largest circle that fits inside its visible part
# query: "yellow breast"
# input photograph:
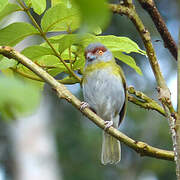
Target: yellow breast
(111, 65)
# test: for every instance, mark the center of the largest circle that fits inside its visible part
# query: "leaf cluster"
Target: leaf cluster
(76, 24)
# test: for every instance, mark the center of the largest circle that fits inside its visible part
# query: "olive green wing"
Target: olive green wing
(123, 110)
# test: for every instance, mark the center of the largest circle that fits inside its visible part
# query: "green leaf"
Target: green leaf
(28, 2)
(79, 64)
(3, 3)
(34, 52)
(7, 63)
(60, 18)
(97, 30)
(52, 64)
(54, 2)
(17, 97)
(69, 80)
(82, 39)
(27, 75)
(94, 13)
(123, 44)
(48, 60)
(8, 9)
(128, 60)
(16, 32)
(66, 41)
(39, 6)
(85, 39)
(65, 54)
(59, 68)
(66, 2)
(55, 39)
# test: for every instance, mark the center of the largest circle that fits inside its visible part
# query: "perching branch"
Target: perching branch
(140, 147)
(169, 42)
(144, 101)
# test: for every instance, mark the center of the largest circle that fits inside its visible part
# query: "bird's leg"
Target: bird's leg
(84, 105)
(108, 124)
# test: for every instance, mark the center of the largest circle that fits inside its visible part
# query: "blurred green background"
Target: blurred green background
(78, 140)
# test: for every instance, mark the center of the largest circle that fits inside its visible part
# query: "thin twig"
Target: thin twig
(29, 76)
(169, 42)
(142, 148)
(70, 80)
(144, 101)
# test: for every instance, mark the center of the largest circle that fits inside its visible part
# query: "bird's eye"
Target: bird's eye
(100, 52)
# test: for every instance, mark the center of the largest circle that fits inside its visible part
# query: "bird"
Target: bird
(104, 91)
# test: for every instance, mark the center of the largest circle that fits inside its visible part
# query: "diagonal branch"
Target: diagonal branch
(142, 148)
(145, 35)
(144, 101)
(169, 42)
(164, 93)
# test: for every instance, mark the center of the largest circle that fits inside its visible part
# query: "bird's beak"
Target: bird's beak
(90, 57)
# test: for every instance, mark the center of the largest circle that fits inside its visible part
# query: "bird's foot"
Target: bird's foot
(108, 124)
(84, 105)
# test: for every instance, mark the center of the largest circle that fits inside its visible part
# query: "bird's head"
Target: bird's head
(95, 52)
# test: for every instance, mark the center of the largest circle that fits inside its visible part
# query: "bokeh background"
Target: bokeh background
(69, 145)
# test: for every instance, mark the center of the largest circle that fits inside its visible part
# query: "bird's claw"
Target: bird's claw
(108, 124)
(84, 105)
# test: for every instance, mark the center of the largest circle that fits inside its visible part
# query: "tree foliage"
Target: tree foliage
(64, 52)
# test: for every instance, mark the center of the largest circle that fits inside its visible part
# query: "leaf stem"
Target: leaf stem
(69, 49)
(36, 78)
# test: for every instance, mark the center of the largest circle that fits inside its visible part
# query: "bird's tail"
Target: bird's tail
(111, 149)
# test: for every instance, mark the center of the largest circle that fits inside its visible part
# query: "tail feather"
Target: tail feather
(111, 150)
